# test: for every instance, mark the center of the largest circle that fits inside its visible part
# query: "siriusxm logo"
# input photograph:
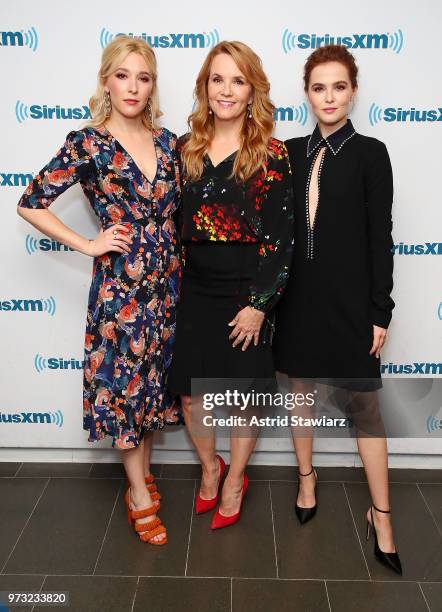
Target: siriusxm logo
(433, 424)
(56, 363)
(292, 113)
(38, 111)
(429, 248)
(411, 368)
(22, 38)
(33, 418)
(386, 40)
(43, 305)
(201, 40)
(15, 179)
(44, 244)
(398, 114)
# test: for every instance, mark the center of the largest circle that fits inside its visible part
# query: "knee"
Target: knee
(186, 404)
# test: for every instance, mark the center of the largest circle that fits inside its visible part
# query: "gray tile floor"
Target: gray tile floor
(63, 528)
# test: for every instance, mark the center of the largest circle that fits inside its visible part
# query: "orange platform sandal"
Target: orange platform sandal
(152, 487)
(146, 531)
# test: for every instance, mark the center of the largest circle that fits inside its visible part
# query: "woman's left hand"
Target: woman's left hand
(379, 335)
(248, 323)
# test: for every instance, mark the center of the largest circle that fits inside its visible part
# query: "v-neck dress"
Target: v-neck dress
(342, 267)
(237, 242)
(130, 322)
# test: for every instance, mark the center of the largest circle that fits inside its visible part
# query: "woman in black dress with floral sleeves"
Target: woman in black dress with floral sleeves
(332, 320)
(237, 237)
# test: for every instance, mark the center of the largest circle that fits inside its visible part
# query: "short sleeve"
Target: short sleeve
(69, 165)
(276, 242)
(379, 200)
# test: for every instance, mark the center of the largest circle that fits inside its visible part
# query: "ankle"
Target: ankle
(306, 471)
(382, 511)
(211, 468)
(138, 494)
(234, 480)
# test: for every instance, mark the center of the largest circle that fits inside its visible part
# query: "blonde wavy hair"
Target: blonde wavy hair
(256, 131)
(113, 55)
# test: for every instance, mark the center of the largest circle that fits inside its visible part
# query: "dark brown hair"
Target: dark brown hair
(331, 53)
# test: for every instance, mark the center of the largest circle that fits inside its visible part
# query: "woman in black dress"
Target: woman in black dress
(237, 238)
(332, 320)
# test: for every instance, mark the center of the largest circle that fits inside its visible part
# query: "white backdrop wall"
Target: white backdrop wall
(50, 54)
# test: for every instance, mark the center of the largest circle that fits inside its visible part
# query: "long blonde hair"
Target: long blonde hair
(256, 131)
(113, 55)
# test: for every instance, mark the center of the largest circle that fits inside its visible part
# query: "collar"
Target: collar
(334, 142)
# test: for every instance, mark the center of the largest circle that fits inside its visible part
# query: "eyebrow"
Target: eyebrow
(336, 83)
(238, 76)
(126, 70)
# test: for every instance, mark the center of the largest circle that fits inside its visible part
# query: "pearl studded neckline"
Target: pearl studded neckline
(346, 131)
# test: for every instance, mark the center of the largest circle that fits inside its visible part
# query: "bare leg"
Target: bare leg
(148, 443)
(133, 460)
(303, 444)
(242, 443)
(374, 456)
(203, 439)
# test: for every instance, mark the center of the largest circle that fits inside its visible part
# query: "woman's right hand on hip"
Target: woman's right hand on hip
(114, 238)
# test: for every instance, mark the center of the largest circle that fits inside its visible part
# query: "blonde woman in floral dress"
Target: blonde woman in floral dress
(127, 169)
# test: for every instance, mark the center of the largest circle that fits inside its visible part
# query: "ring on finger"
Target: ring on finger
(115, 232)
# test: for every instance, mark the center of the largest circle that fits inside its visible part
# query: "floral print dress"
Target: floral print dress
(237, 241)
(217, 208)
(131, 308)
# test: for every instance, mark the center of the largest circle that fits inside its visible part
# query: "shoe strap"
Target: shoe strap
(149, 535)
(379, 510)
(137, 514)
(299, 473)
(148, 526)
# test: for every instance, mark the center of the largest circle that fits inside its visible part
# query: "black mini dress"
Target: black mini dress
(342, 267)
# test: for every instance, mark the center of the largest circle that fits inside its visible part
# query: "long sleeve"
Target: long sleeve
(69, 165)
(275, 250)
(178, 214)
(379, 199)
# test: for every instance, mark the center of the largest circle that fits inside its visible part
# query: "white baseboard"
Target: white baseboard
(66, 455)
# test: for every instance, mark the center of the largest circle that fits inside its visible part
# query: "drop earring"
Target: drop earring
(149, 113)
(107, 104)
(249, 111)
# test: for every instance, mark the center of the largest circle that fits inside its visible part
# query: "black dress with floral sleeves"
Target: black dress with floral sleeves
(237, 242)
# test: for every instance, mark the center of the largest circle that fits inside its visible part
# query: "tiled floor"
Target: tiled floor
(63, 528)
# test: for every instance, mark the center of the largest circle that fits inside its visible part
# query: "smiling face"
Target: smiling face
(228, 90)
(330, 93)
(130, 86)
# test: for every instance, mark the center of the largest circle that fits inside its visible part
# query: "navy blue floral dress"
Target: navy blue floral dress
(131, 308)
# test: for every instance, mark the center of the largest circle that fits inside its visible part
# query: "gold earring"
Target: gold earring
(149, 112)
(107, 104)
(249, 110)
